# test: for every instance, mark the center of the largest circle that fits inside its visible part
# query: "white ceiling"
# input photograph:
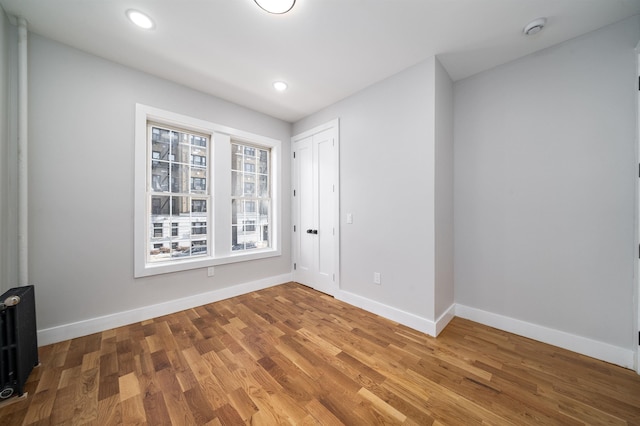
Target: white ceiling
(325, 49)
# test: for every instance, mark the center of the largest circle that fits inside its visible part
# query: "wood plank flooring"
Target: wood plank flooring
(290, 355)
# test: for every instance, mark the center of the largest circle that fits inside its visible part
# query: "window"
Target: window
(198, 160)
(200, 141)
(198, 228)
(249, 187)
(157, 230)
(198, 206)
(250, 166)
(205, 194)
(172, 151)
(198, 184)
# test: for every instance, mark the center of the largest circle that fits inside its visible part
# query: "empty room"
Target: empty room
(327, 212)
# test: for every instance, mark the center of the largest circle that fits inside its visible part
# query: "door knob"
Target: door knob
(315, 231)
(309, 231)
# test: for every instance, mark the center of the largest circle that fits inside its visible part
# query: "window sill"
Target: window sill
(203, 262)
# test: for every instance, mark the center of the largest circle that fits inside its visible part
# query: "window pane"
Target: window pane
(180, 206)
(265, 210)
(249, 185)
(263, 190)
(198, 160)
(160, 176)
(157, 230)
(198, 228)
(179, 178)
(160, 143)
(199, 141)
(264, 162)
(198, 181)
(236, 210)
(244, 237)
(249, 225)
(236, 161)
(182, 150)
(160, 205)
(264, 237)
(236, 184)
(198, 206)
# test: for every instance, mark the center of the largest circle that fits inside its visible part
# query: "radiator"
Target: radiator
(18, 339)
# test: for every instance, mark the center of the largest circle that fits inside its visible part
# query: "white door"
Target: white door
(315, 208)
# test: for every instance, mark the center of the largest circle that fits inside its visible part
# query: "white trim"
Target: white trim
(321, 128)
(582, 345)
(59, 333)
(394, 314)
(636, 224)
(445, 318)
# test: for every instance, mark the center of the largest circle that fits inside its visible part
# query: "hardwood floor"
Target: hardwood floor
(290, 355)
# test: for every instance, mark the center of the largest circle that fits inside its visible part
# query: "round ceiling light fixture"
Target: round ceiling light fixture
(280, 86)
(277, 7)
(140, 19)
(535, 26)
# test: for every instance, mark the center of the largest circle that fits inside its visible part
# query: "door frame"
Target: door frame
(335, 125)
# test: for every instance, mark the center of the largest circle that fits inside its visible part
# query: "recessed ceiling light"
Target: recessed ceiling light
(140, 19)
(535, 26)
(276, 6)
(280, 86)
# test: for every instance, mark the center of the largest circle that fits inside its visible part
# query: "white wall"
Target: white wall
(81, 129)
(544, 187)
(387, 181)
(8, 156)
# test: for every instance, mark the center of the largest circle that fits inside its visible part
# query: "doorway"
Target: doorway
(316, 208)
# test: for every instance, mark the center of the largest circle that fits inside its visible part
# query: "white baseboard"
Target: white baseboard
(582, 345)
(445, 318)
(599, 350)
(394, 314)
(95, 325)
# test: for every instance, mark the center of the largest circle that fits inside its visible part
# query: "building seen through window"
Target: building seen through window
(250, 197)
(179, 194)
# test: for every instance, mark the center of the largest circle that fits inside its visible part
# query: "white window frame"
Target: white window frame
(219, 210)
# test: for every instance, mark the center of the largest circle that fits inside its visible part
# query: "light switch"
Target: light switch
(349, 217)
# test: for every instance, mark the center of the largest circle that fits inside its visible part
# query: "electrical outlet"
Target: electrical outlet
(376, 278)
(210, 271)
